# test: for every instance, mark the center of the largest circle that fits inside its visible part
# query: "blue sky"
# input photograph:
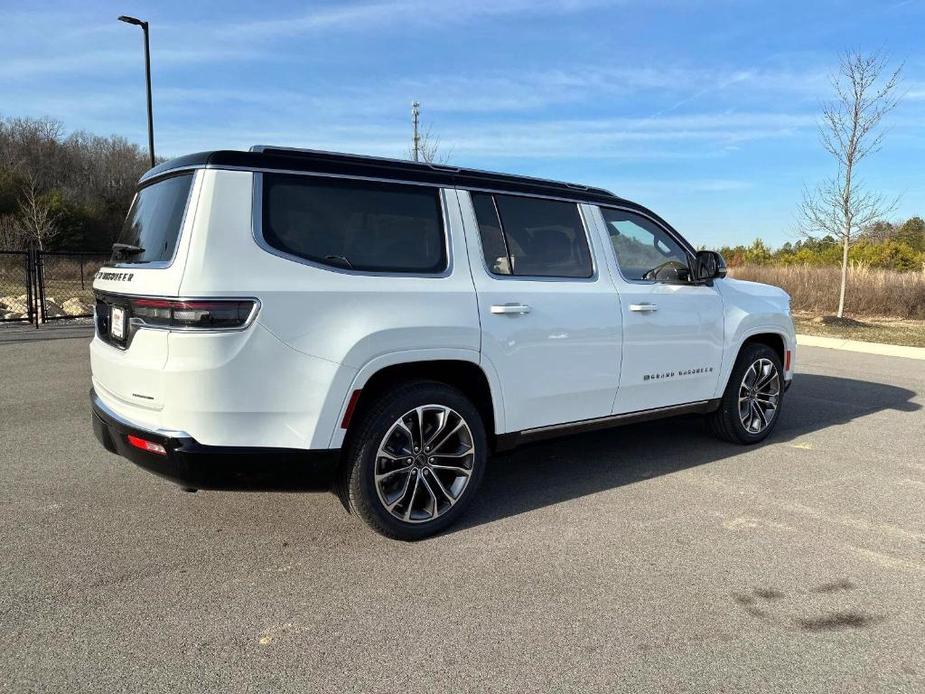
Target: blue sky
(705, 111)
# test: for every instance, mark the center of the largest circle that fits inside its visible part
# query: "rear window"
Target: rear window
(356, 225)
(153, 223)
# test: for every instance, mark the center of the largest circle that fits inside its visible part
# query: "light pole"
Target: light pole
(144, 28)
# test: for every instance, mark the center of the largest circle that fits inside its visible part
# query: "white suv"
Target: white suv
(273, 314)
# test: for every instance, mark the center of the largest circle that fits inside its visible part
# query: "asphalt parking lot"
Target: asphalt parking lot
(648, 558)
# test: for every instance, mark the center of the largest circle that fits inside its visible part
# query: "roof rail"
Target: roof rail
(296, 151)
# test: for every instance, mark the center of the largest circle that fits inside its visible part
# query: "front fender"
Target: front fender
(753, 309)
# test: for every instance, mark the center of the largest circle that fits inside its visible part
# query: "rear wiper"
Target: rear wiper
(125, 250)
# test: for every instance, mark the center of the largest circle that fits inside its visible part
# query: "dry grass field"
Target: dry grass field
(871, 293)
(885, 305)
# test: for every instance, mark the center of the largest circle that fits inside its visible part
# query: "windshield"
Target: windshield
(152, 226)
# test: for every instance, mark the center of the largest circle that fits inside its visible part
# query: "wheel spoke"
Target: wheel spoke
(417, 483)
(400, 424)
(436, 478)
(753, 372)
(762, 420)
(386, 475)
(444, 418)
(432, 496)
(447, 437)
(457, 454)
(458, 469)
(419, 444)
(404, 492)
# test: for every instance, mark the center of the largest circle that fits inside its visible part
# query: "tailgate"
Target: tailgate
(148, 261)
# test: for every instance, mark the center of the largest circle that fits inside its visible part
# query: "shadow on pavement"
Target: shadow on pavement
(561, 469)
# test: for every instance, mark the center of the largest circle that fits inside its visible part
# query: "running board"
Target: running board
(513, 439)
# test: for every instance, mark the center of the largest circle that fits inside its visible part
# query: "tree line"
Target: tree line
(885, 245)
(62, 191)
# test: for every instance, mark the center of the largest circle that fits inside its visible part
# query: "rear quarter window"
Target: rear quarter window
(355, 225)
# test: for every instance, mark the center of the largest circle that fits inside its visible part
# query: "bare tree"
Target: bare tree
(36, 222)
(430, 150)
(840, 206)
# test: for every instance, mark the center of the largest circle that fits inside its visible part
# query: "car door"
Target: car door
(672, 327)
(549, 316)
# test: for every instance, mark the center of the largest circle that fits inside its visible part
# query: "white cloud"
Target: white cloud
(354, 17)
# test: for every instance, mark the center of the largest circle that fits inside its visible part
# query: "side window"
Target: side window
(532, 237)
(358, 225)
(493, 244)
(643, 249)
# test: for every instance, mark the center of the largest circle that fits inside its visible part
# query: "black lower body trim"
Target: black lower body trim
(505, 442)
(195, 466)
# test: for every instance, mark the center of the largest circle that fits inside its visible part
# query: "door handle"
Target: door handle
(510, 309)
(643, 308)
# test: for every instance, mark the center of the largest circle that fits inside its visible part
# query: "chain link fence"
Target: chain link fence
(17, 303)
(42, 286)
(65, 284)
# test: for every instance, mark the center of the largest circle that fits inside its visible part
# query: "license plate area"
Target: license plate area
(112, 320)
(117, 323)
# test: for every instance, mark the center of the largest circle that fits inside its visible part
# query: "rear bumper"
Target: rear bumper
(193, 465)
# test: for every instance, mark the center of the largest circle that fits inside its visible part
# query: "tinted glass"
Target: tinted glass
(355, 224)
(493, 246)
(153, 223)
(643, 249)
(545, 238)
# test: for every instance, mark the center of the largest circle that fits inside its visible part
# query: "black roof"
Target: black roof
(280, 158)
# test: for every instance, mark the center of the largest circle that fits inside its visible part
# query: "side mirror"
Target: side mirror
(708, 265)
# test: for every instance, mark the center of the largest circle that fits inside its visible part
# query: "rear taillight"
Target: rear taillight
(205, 314)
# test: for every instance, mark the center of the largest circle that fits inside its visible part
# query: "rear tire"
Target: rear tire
(751, 403)
(415, 461)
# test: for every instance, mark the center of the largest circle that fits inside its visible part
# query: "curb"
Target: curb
(859, 346)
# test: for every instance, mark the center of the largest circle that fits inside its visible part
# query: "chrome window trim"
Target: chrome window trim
(257, 229)
(196, 185)
(675, 236)
(532, 278)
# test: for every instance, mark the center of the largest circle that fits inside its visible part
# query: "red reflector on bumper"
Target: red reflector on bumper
(148, 446)
(787, 360)
(351, 407)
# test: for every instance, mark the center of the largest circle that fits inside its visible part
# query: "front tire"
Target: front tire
(416, 460)
(751, 403)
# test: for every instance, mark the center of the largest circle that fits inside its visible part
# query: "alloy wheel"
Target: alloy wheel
(424, 463)
(759, 396)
